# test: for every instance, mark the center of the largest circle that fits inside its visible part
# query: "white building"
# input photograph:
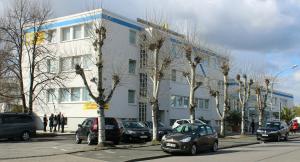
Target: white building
(72, 41)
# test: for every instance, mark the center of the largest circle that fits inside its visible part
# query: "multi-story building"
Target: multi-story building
(71, 39)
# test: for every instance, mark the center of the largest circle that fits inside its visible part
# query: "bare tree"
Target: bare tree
(194, 58)
(262, 92)
(153, 39)
(23, 30)
(244, 94)
(101, 98)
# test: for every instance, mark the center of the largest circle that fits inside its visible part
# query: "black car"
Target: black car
(88, 130)
(14, 125)
(190, 138)
(162, 129)
(135, 131)
(275, 131)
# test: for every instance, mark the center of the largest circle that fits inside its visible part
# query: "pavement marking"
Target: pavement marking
(63, 150)
(109, 151)
(54, 147)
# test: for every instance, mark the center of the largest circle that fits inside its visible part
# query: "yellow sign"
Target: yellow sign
(30, 37)
(93, 106)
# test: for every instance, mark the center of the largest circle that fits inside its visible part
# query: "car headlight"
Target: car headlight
(188, 139)
(130, 132)
(161, 132)
(259, 131)
(164, 138)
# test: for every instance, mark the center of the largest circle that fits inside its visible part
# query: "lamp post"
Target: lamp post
(272, 86)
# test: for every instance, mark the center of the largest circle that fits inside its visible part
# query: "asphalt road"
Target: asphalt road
(264, 152)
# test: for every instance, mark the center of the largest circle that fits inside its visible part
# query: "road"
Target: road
(63, 149)
(264, 152)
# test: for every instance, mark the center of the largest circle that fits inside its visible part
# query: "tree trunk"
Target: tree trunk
(222, 129)
(243, 119)
(155, 91)
(222, 132)
(154, 120)
(261, 118)
(101, 126)
(192, 94)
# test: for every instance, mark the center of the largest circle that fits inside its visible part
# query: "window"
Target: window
(75, 94)
(66, 34)
(87, 61)
(52, 66)
(209, 130)
(132, 37)
(132, 65)
(142, 111)
(143, 57)
(200, 103)
(201, 130)
(64, 95)
(87, 30)
(173, 75)
(131, 96)
(143, 85)
(179, 102)
(51, 36)
(76, 61)
(173, 101)
(186, 102)
(77, 32)
(206, 103)
(85, 95)
(66, 64)
(51, 95)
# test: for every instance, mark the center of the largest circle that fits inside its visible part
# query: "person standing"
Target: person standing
(58, 121)
(51, 118)
(295, 126)
(45, 122)
(55, 122)
(252, 126)
(62, 122)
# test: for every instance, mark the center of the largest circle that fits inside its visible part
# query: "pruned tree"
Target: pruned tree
(244, 91)
(193, 58)
(153, 39)
(262, 92)
(101, 98)
(225, 70)
(23, 30)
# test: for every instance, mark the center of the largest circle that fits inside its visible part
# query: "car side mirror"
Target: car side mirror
(79, 125)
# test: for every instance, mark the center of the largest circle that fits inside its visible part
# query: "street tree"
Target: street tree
(193, 58)
(225, 70)
(102, 99)
(287, 114)
(262, 91)
(154, 39)
(244, 91)
(22, 29)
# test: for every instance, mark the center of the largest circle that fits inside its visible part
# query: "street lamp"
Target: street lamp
(272, 85)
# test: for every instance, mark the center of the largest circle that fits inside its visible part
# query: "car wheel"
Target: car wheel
(278, 138)
(25, 136)
(89, 139)
(77, 139)
(193, 149)
(215, 147)
(286, 138)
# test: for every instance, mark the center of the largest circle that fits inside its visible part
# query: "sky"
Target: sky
(261, 34)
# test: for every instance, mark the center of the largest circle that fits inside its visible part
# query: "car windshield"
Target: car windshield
(133, 125)
(273, 125)
(160, 125)
(185, 129)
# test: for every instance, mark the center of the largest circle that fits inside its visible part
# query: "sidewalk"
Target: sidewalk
(40, 133)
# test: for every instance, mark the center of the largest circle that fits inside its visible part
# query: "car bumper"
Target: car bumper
(179, 147)
(267, 137)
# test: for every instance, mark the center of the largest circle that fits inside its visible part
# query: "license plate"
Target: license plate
(170, 145)
(143, 137)
(264, 135)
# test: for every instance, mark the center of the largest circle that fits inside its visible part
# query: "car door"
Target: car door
(86, 128)
(210, 136)
(80, 129)
(2, 132)
(201, 138)
(11, 128)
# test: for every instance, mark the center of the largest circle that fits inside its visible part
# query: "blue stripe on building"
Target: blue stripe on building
(88, 19)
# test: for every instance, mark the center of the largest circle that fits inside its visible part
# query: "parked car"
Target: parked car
(88, 130)
(275, 130)
(13, 125)
(162, 129)
(185, 121)
(135, 131)
(190, 138)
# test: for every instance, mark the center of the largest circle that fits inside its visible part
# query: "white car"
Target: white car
(185, 121)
